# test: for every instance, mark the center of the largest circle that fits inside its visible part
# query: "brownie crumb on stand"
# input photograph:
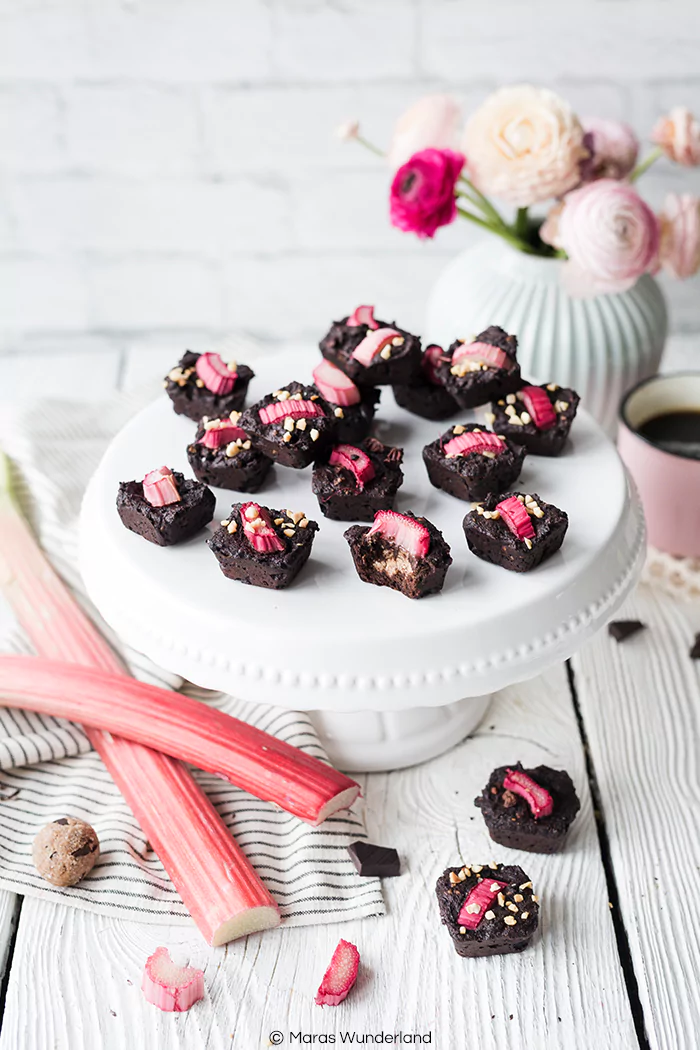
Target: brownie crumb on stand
(426, 395)
(538, 417)
(291, 425)
(470, 462)
(529, 809)
(515, 530)
(488, 909)
(482, 369)
(262, 546)
(353, 482)
(620, 630)
(402, 551)
(695, 650)
(205, 385)
(165, 508)
(370, 352)
(222, 455)
(372, 861)
(353, 407)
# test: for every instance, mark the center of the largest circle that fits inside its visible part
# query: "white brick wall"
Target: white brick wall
(168, 172)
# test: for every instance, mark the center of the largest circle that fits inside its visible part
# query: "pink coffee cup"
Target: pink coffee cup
(668, 483)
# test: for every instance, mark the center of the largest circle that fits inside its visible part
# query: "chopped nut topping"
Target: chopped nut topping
(490, 418)
(508, 799)
(232, 449)
(528, 543)
(278, 521)
(462, 875)
(199, 383)
(525, 418)
(501, 402)
(561, 406)
(282, 395)
(476, 868)
(385, 352)
(525, 915)
(398, 340)
(297, 397)
(251, 513)
(510, 399)
(525, 886)
(287, 437)
(473, 909)
(288, 423)
(303, 523)
(288, 532)
(489, 455)
(454, 879)
(314, 397)
(510, 411)
(463, 929)
(517, 897)
(226, 521)
(552, 386)
(511, 907)
(295, 515)
(467, 871)
(209, 424)
(490, 915)
(232, 527)
(339, 413)
(535, 899)
(493, 865)
(509, 920)
(459, 429)
(494, 887)
(314, 434)
(501, 900)
(301, 424)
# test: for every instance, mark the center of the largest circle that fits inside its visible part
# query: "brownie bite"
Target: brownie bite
(291, 425)
(470, 462)
(372, 353)
(353, 482)
(165, 508)
(426, 395)
(482, 369)
(353, 407)
(261, 546)
(529, 809)
(401, 551)
(205, 385)
(488, 909)
(538, 417)
(515, 530)
(222, 455)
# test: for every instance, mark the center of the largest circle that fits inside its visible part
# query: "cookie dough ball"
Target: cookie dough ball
(65, 851)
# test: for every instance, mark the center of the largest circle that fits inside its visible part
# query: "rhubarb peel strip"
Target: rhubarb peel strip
(217, 884)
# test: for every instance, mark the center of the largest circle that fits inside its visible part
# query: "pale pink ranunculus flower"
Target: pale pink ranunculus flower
(525, 145)
(348, 130)
(613, 148)
(610, 236)
(430, 123)
(678, 134)
(679, 247)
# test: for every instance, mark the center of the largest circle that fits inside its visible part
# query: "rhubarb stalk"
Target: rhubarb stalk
(169, 987)
(217, 884)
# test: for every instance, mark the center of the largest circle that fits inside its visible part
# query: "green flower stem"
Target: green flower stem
(503, 232)
(520, 225)
(646, 164)
(483, 202)
(370, 146)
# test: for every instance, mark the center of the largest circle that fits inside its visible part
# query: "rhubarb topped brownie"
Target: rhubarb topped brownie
(222, 455)
(291, 425)
(482, 369)
(529, 809)
(538, 417)
(488, 909)
(353, 482)
(372, 353)
(515, 530)
(206, 385)
(165, 508)
(352, 407)
(401, 551)
(470, 462)
(262, 546)
(426, 395)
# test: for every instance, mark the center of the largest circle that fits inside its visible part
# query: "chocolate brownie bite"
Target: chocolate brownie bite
(401, 551)
(263, 547)
(353, 407)
(291, 425)
(165, 508)
(538, 417)
(426, 395)
(515, 530)
(205, 385)
(529, 809)
(222, 455)
(470, 462)
(372, 353)
(488, 909)
(483, 369)
(353, 482)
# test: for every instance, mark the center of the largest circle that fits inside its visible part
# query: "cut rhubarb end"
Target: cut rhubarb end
(259, 530)
(362, 315)
(373, 343)
(171, 988)
(340, 975)
(477, 902)
(354, 460)
(539, 406)
(474, 441)
(335, 386)
(215, 374)
(277, 410)
(516, 518)
(343, 800)
(430, 361)
(254, 920)
(482, 353)
(403, 531)
(159, 488)
(538, 798)
(218, 432)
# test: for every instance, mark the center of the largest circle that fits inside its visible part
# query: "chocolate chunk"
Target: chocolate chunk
(620, 630)
(375, 861)
(695, 651)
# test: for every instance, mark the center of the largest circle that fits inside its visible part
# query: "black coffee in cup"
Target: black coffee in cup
(674, 432)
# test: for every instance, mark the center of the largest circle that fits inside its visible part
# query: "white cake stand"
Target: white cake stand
(389, 681)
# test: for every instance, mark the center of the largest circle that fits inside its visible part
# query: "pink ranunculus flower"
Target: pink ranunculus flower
(678, 134)
(422, 196)
(430, 123)
(613, 148)
(610, 236)
(679, 248)
(525, 145)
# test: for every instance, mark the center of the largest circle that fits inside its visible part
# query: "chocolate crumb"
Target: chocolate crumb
(509, 799)
(695, 651)
(621, 630)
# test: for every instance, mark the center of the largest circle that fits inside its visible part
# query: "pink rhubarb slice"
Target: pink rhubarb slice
(362, 315)
(478, 901)
(216, 881)
(482, 353)
(215, 374)
(340, 975)
(335, 386)
(171, 988)
(159, 488)
(218, 432)
(516, 518)
(259, 530)
(292, 408)
(474, 441)
(373, 343)
(354, 460)
(538, 798)
(539, 406)
(402, 530)
(430, 361)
